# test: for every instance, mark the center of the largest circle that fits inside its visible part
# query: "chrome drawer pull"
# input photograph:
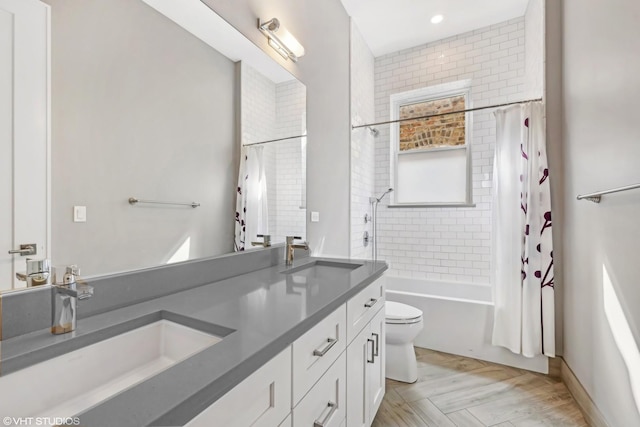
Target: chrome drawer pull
(371, 302)
(330, 343)
(332, 408)
(373, 352)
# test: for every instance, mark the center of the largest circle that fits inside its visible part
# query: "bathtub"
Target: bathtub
(458, 319)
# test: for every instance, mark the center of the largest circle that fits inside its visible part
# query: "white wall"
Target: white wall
(600, 44)
(323, 29)
(534, 49)
(449, 243)
(362, 142)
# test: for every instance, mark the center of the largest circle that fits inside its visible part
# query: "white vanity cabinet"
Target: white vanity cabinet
(318, 381)
(262, 400)
(366, 368)
(316, 350)
(326, 403)
(362, 307)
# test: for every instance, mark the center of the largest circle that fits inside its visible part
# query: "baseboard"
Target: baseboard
(592, 414)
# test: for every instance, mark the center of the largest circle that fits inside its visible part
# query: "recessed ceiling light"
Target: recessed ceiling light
(436, 19)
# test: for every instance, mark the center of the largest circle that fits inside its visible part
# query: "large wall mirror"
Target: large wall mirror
(160, 102)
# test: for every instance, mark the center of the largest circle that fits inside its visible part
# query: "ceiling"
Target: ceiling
(392, 25)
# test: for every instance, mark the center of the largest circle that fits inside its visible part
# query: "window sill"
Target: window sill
(432, 205)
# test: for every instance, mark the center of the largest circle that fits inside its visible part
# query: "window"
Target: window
(430, 158)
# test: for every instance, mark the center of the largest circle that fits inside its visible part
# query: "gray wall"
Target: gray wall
(552, 64)
(601, 138)
(323, 29)
(140, 108)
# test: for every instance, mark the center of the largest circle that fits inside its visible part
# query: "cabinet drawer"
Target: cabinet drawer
(362, 307)
(316, 350)
(261, 400)
(325, 404)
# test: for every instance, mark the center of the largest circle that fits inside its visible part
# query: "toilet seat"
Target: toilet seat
(401, 314)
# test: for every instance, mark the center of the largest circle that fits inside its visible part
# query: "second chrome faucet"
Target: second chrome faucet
(65, 293)
(291, 246)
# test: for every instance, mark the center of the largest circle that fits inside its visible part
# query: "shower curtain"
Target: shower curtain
(522, 239)
(252, 212)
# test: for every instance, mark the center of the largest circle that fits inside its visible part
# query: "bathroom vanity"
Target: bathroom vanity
(266, 347)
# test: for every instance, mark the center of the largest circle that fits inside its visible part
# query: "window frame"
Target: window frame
(426, 94)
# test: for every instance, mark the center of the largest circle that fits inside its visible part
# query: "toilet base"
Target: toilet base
(401, 364)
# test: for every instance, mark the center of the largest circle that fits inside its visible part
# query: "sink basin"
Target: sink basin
(71, 383)
(326, 267)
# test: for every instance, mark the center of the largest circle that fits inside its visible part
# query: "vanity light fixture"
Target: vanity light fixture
(281, 40)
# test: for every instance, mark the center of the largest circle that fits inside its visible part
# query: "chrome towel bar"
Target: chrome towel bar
(595, 197)
(134, 200)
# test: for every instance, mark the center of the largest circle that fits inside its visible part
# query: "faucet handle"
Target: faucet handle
(73, 269)
(84, 291)
(266, 238)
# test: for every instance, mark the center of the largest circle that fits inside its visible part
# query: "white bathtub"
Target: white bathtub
(458, 319)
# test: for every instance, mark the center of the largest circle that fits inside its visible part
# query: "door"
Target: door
(360, 355)
(24, 134)
(376, 373)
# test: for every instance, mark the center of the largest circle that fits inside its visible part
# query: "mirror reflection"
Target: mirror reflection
(271, 185)
(159, 104)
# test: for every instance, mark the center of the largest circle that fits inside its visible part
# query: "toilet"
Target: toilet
(403, 324)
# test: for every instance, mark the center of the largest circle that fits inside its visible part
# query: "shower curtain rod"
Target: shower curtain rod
(446, 114)
(275, 140)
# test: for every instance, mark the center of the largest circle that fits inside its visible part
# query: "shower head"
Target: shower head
(379, 199)
(373, 131)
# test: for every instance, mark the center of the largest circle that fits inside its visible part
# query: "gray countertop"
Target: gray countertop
(260, 312)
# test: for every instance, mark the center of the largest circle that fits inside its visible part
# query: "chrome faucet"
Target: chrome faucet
(65, 293)
(38, 272)
(288, 256)
(266, 240)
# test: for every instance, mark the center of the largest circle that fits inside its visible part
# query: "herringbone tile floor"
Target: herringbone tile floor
(456, 391)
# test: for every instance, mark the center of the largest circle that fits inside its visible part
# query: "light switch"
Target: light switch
(315, 216)
(79, 214)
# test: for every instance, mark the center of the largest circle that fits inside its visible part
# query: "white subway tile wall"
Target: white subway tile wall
(258, 112)
(291, 214)
(448, 243)
(258, 123)
(362, 142)
(275, 111)
(291, 106)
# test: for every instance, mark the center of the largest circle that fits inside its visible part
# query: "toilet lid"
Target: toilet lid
(395, 311)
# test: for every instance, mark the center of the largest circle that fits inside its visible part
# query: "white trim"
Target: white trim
(431, 150)
(429, 93)
(48, 136)
(432, 205)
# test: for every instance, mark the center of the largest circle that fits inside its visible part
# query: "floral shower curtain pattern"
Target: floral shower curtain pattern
(252, 213)
(524, 319)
